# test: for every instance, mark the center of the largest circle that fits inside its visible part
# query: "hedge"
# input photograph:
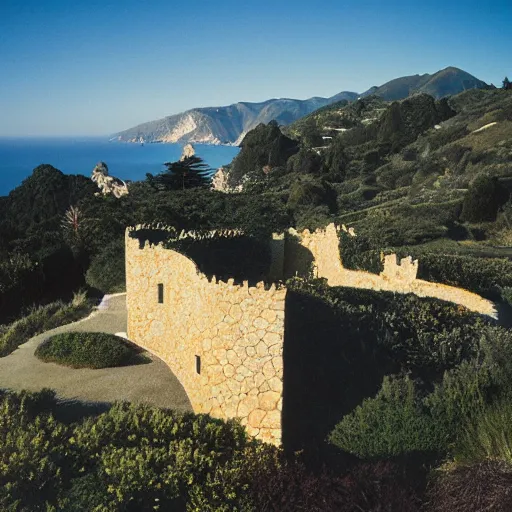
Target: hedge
(86, 350)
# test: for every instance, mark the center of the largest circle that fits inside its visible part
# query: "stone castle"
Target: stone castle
(224, 340)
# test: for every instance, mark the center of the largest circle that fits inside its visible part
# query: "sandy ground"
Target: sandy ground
(152, 383)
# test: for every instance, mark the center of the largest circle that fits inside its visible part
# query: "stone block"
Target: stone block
(268, 370)
(229, 370)
(278, 305)
(276, 384)
(256, 418)
(269, 315)
(259, 379)
(234, 386)
(244, 371)
(247, 384)
(272, 338)
(247, 405)
(220, 354)
(262, 349)
(233, 358)
(267, 401)
(216, 375)
(271, 420)
(260, 323)
(236, 312)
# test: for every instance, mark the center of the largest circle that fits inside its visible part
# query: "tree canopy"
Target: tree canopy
(189, 172)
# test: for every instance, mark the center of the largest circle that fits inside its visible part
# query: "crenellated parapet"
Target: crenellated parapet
(163, 233)
(398, 277)
(405, 271)
(224, 339)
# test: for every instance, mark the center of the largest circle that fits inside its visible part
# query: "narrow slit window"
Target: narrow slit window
(160, 293)
(198, 364)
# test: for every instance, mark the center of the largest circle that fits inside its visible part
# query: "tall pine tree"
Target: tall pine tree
(190, 172)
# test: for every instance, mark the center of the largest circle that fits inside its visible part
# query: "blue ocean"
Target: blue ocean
(19, 156)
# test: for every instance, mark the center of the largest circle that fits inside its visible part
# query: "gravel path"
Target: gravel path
(152, 383)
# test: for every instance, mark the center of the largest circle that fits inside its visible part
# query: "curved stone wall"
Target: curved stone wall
(396, 277)
(223, 342)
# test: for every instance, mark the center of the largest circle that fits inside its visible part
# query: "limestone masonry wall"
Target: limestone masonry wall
(396, 277)
(223, 342)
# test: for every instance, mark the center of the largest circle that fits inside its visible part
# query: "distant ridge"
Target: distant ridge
(229, 124)
(447, 82)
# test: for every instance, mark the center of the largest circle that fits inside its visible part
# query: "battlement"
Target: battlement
(223, 334)
(164, 233)
(406, 270)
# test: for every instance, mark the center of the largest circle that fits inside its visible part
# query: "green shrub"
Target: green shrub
(357, 253)
(488, 437)
(107, 269)
(459, 397)
(439, 138)
(32, 452)
(390, 424)
(384, 425)
(483, 199)
(140, 458)
(423, 335)
(311, 194)
(506, 294)
(148, 457)
(305, 161)
(484, 276)
(86, 350)
(42, 319)
(264, 145)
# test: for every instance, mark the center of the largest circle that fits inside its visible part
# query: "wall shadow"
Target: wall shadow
(71, 411)
(298, 259)
(238, 257)
(330, 364)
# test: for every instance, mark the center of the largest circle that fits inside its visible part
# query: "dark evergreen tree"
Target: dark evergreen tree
(311, 136)
(190, 172)
(483, 199)
(506, 84)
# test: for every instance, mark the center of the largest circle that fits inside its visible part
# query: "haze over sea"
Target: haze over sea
(19, 157)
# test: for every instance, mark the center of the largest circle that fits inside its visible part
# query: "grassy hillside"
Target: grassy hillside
(401, 171)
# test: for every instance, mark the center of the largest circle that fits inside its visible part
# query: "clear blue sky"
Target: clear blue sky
(70, 67)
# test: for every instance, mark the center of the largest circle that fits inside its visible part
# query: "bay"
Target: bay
(79, 155)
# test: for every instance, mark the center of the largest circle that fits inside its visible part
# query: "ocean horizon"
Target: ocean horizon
(19, 156)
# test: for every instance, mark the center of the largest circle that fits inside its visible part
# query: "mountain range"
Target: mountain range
(230, 124)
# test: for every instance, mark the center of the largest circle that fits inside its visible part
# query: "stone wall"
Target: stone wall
(224, 342)
(232, 335)
(396, 277)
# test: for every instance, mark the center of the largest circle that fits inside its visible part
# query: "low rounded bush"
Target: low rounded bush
(86, 350)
